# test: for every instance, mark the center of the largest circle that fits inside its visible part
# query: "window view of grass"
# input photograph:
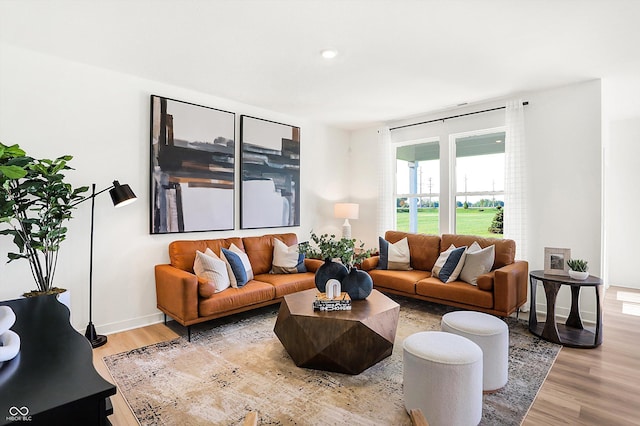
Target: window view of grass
(476, 221)
(471, 221)
(427, 220)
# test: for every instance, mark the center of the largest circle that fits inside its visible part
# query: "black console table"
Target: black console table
(572, 333)
(52, 380)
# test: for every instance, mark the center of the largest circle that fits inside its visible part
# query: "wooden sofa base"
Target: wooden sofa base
(451, 303)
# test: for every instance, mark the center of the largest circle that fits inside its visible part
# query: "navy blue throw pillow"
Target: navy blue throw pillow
(236, 266)
(383, 262)
(455, 257)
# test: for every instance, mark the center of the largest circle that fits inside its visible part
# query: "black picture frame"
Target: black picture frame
(270, 174)
(192, 167)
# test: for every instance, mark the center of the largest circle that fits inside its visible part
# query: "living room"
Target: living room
(73, 81)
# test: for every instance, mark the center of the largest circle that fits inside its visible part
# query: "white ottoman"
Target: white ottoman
(492, 335)
(442, 375)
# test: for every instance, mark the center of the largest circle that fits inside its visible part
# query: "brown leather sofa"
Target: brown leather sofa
(499, 292)
(177, 286)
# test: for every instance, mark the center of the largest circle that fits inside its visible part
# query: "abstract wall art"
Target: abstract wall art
(192, 167)
(270, 170)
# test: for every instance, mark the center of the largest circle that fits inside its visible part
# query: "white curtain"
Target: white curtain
(515, 196)
(385, 183)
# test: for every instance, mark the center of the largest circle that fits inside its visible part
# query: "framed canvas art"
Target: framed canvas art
(270, 170)
(555, 260)
(192, 167)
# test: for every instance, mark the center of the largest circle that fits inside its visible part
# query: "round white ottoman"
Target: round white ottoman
(492, 335)
(442, 374)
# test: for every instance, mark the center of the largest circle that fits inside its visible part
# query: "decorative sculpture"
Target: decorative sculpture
(9, 341)
(333, 289)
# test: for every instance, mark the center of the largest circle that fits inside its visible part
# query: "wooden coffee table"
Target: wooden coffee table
(340, 341)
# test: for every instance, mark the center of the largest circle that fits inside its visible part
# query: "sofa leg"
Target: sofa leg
(165, 319)
(189, 333)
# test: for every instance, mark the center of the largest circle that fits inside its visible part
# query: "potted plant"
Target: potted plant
(35, 201)
(578, 269)
(329, 248)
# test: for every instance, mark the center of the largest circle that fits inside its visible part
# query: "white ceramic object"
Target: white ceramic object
(576, 275)
(333, 289)
(9, 345)
(7, 318)
(9, 341)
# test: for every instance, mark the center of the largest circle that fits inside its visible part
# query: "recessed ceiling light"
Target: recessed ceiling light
(329, 53)
(499, 141)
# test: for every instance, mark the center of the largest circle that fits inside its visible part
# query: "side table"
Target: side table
(572, 333)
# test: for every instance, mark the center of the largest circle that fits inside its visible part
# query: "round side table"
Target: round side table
(572, 333)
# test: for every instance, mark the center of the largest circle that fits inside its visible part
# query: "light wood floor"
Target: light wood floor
(585, 386)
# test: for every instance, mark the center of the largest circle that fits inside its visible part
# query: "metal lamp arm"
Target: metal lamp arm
(93, 195)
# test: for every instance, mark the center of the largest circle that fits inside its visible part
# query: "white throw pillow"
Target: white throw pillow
(245, 260)
(283, 256)
(477, 262)
(395, 256)
(286, 260)
(212, 270)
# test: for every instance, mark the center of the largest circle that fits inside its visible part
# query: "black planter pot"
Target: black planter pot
(327, 271)
(358, 284)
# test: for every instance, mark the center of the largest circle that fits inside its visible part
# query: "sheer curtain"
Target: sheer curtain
(515, 196)
(385, 182)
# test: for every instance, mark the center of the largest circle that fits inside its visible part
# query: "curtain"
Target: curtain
(385, 183)
(515, 196)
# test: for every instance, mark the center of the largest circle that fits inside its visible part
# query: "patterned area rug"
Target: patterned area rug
(236, 365)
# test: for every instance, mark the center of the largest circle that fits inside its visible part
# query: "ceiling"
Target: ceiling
(397, 58)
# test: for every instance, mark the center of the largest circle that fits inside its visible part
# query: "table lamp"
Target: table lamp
(346, 211)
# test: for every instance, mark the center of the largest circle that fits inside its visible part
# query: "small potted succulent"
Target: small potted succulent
(578, 269)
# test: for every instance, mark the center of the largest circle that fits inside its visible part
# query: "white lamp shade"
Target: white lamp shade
(346, 210)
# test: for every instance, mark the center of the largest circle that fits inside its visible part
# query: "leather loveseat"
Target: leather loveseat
(499, 292)
(177, 286)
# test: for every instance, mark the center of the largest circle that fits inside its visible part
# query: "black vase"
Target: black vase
(358, 284)
(327, 271)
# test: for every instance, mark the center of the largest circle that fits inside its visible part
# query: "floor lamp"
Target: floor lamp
(121, 195)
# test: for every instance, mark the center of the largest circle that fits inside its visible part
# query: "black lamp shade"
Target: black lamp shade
(121, 195)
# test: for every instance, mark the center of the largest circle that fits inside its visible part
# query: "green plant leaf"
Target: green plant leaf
(13, 172)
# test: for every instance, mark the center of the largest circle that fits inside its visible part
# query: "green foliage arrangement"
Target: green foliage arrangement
(327, 246)
(497, 225)
(35, 201)
(578, 265)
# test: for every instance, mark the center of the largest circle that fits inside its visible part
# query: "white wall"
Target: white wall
(50, 106)
(621, 134)
(563, 130)
(622, 202)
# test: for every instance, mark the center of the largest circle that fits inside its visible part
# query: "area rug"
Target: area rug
(236, 365)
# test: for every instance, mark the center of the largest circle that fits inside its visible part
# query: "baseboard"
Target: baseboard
(562, 313)
(130, 324)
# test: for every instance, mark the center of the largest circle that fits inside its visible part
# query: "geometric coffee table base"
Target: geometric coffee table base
(340, 341)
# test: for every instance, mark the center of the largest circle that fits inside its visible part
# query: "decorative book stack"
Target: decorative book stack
(338, 303)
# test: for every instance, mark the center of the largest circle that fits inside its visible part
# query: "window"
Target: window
(479, 175)
(418, 187)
